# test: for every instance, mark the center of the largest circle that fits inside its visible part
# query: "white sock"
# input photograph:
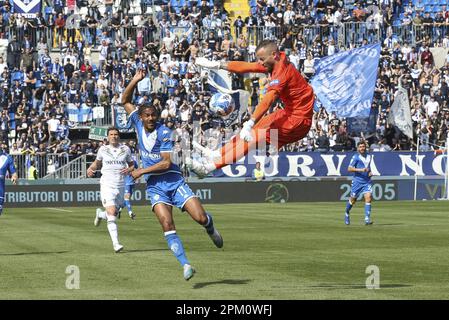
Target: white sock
(112, 228)
(210, 165)
(103, 215)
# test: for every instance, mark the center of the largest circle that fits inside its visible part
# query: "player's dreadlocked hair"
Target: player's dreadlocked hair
(269, 44)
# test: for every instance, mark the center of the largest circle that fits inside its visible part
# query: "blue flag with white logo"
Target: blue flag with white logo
(27, 8)
(345, 81)
(121, 119)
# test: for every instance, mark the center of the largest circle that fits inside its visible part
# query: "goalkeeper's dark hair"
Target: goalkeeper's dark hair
(148, 106)
(267, 44)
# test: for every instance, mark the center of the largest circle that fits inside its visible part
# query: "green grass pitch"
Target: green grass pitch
(271, 251)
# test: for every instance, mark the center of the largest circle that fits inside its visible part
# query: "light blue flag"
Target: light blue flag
(345, 81)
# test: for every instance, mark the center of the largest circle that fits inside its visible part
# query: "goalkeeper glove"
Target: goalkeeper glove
(206, 63)
(245, 133)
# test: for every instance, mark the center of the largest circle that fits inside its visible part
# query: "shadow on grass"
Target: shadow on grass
(143, 250)
(30, 253)
(359, 286)
(227, 281)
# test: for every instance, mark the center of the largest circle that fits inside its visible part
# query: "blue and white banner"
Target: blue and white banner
(121, 119)
(315, 164)
(219, 80)
(345, 81)
(82, 114)
(72, 111)
(27, 8)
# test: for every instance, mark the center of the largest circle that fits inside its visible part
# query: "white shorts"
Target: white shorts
(112, 196)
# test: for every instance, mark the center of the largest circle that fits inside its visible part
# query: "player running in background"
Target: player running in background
(361, 182)
(129, 186)
(6, 166)
(116, 162)
(291, 123)
(165, 183)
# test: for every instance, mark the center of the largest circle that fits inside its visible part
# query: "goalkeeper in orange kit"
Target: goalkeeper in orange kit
(289, 124)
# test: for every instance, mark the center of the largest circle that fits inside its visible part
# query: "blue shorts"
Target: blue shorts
(169, 188)
(358, 188)
(129, 188)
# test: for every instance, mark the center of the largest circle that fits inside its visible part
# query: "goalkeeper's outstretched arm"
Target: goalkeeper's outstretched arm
(231, 66)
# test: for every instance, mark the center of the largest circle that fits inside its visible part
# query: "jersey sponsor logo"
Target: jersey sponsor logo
(112, 162)
(149, 155)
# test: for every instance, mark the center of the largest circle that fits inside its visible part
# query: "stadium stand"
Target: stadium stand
(62, 72)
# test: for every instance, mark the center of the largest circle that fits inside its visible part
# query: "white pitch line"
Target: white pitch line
(57, 209)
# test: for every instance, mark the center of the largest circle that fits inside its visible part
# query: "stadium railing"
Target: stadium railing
(75, 169)
(42, 163)
(343, 34)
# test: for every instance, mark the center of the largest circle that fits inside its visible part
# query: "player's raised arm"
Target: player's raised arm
(128, 93)
(161, 166)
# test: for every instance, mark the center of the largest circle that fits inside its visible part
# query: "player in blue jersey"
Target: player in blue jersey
(165, 184)
(6, 165)
(361, 182)
(129, 186)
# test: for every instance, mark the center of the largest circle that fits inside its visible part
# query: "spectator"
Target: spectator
(258, 173)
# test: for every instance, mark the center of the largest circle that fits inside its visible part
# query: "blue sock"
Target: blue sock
(209, 226)
(367, 210)
(348, 207)
(128, 205)
(175, 245)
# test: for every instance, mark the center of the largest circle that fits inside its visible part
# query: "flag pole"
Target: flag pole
(416, 176)
(447, 167)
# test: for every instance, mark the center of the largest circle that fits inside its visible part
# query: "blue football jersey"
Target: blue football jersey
(359, 161)
(6, 165)
(151, 144)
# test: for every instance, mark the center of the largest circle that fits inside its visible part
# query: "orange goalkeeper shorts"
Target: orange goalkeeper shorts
(289, 129)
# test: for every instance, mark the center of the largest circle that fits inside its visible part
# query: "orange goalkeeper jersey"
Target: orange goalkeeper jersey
(286, 82)
(292, 88)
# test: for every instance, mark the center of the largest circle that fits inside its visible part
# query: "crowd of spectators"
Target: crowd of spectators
(37, 85)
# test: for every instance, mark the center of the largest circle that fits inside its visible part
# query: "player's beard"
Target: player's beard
(270, 68)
